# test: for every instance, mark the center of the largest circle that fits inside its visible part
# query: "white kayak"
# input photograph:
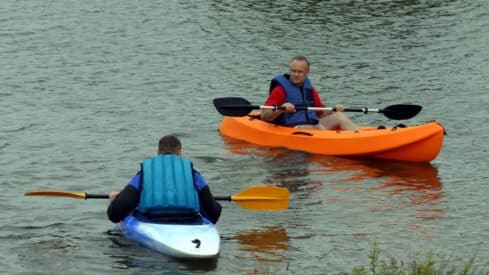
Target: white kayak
(182, 240)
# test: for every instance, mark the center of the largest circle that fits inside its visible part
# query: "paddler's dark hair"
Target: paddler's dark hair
(169, 144)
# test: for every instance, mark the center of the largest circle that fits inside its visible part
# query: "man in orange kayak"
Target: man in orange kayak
(295, 89)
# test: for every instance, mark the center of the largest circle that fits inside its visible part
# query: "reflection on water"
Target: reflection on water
(147, 263)
(285, 168)
(417, 184)
(419, 175)
(267, 244)
(414, 184)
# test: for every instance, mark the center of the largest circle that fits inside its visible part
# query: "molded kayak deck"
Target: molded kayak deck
(420, 143)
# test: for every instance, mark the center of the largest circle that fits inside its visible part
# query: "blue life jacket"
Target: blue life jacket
(300, 97)
(168, 187)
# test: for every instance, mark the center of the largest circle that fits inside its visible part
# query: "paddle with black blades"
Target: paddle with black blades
(237, 106)
(252, 198)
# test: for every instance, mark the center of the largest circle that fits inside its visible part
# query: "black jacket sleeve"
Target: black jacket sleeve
(123, 204)
(210, 208)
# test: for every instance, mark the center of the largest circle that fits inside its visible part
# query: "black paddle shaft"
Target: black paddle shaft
(223, 198)
(96, 196)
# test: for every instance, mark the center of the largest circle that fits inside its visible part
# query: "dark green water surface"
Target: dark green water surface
(88, 87)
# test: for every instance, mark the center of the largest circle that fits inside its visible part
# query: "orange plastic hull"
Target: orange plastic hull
(420, 143)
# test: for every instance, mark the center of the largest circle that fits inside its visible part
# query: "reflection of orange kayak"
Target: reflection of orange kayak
(420, 143)
(396, 175)
(268, 244)
(415, 184)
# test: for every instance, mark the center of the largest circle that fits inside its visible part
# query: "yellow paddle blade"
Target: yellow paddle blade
(263, 198)
(55, 193)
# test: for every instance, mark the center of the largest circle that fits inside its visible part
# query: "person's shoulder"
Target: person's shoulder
(196, 174)
(136, 180)
(278, 89)
(199, 180)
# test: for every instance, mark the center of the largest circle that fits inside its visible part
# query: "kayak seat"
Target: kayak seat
(381, 127)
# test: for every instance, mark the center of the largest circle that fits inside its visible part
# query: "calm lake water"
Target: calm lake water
(88, 87)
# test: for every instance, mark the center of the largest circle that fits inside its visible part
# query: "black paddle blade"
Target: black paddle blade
(233, 106)
(401, 111)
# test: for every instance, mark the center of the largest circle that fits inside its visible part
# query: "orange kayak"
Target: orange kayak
(420, 143)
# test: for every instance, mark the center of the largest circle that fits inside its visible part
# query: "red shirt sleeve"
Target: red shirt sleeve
(276, 97)
(317, 101)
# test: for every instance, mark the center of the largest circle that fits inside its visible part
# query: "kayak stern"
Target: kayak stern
(189, 241)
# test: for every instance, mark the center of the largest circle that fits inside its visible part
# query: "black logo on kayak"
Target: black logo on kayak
(196, 242)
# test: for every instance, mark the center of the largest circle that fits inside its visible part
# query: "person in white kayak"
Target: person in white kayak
(295, 89)
(166, 188)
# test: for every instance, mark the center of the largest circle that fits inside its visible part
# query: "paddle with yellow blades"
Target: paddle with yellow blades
(252, 198)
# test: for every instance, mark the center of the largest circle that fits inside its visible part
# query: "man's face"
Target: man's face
(298, 72)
